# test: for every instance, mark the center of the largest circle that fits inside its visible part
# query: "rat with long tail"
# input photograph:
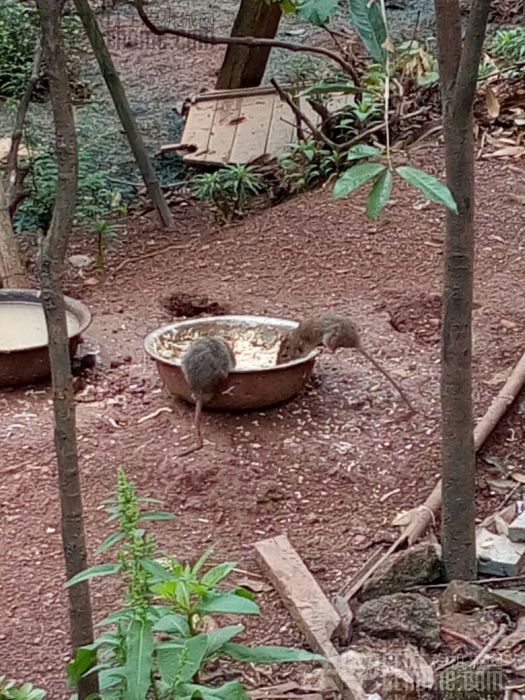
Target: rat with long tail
(331, 330)
(206, 366)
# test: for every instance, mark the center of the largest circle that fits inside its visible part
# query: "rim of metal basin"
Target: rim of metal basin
(283, 323)
(33, 296)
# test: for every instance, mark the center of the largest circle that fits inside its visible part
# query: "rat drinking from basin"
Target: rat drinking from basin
(331, 330)
(206, 365)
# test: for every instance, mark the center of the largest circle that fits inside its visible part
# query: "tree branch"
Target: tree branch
(448, 24)
(285, 97)
(465, 85)
(20, 118)
(249, 41)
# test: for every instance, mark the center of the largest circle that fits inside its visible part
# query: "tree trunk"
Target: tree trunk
(110, 75)
(51, 270)
(12, 272)
(244, 66)
(458, 71)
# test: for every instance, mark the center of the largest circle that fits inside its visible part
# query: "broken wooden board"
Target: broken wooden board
(239, 126)
(308, 605)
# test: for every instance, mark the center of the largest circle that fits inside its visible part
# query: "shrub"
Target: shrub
(156, 644)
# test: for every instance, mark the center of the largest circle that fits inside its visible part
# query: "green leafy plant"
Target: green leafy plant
(156, 646)
(19, 33)
(378, 171)
(10, 690)
(229, 189)
(96, 198)
(509, 45)
(307, 165)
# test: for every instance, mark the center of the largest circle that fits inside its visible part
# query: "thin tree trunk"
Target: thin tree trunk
(110, 75)
(12, 272)
(458, 71)
(244, 66)
(51, 269)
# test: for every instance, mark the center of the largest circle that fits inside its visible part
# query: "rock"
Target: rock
(460, 596)
(479, 626)
(497, 555)
(415, 566)
(512, 602)
(398, 673)
(407, 615)
(81, 261)
(517, 529)
(462, 682)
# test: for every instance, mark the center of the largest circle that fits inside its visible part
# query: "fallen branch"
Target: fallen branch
(421, 517)
(249, 41)
(462, 638)
(489, 646)
(151, 254)
(155, 414)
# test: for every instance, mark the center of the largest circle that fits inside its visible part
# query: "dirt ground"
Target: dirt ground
(332, 467)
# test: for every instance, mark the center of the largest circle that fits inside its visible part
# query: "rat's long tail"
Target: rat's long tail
(387, 376)
(197, 422)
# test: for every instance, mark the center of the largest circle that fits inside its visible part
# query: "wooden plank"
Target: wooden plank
(338, 101)
(251, 135)
(223, 131)
(197, 128)
(308, 606)
(281, 132)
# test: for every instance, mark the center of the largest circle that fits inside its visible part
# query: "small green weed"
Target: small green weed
(155, 646)
(10, 690)
(229, 190)
(509, 45)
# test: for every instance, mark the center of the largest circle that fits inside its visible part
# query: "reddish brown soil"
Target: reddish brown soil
(330, 469)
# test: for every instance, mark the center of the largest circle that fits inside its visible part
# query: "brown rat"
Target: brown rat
(331, 330)
(206, 365)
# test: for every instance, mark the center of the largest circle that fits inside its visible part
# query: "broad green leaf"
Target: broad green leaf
(244, 593)
(269, 654)
(354, 177)
(82, 662)
(229, 691)
(109, 542)
(156, 570)
(362, 150)
(367, 19)
(288, 6)
(111, 677)
(114, 617)
(169, 661)
(147, 499)
(218, 638)
(201, 561)
(98, 570)
(429, 185)
(379, 195)
(316, 12)
(215, 602)
(212, 577)
(180, 662)
(156, 515)
(173, 624)
(139, 659)
(330, 87)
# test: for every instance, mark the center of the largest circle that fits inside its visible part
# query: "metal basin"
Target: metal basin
(30, 364)
(249, 387)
